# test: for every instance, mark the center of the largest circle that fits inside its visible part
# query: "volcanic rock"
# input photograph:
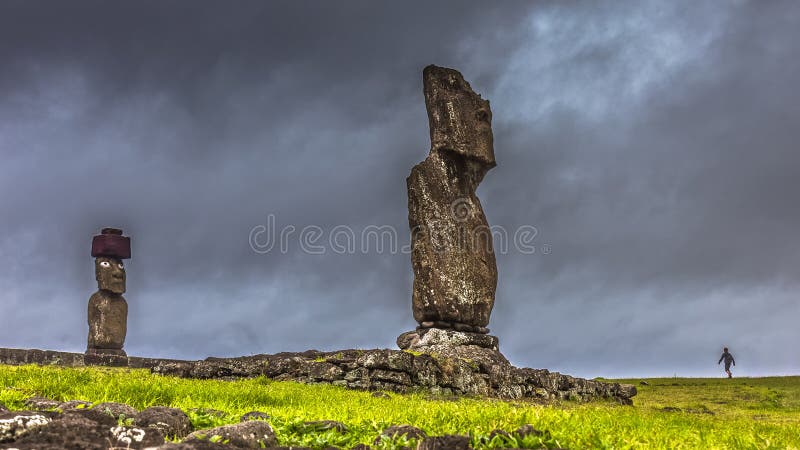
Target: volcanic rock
(193, 445)
(116, 410)
(407, 431)
(527, 429)
(74, 404)
(449, 442)
(249, 434)
(41, 403)
(14, 424)
(82, 430)
(455, 274)
(254, 415)
(324, 425)
(172, 422)
(476, 347)
(133, 437)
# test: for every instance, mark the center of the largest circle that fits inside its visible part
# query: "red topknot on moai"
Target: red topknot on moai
(108, 310)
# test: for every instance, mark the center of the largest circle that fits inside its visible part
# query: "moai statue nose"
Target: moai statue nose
(108, 310)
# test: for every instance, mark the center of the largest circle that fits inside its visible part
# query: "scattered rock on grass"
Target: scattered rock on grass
(407, 431)
(254, 415)
(324, 425)
(449, 442)
(3, 407)
(528, 429)
(249, 434)
(134, 437)
(79, 430)
(702, 410)
(172, 422)
(380, 394)
(116, 410)
(626, 391)
(207, 445)
(95, 415)
(14, 424)
(41, 403)
(521, 432)
(69, 432)
(671, 409)
(74, 404)
(209, 412)
(502, 433)
(194, 445)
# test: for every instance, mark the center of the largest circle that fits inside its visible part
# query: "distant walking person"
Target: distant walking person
(728, 358)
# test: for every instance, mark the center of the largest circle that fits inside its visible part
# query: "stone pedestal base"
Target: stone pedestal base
(378, 369)
(105, 357)
(477, 347)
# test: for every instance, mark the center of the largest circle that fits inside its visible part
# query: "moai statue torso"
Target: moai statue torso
(108, 310)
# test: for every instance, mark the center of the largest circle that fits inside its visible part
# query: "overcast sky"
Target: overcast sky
(653, 145)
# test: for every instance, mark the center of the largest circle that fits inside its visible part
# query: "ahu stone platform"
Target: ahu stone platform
(379, 370)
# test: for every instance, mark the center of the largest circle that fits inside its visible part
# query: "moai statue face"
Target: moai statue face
(460, 120)
(110, 274)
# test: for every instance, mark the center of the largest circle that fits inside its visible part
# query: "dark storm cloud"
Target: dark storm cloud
(189, 127)
(664, 183)
(650, 144)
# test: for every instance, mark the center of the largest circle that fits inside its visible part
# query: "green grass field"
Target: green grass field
(669, 413)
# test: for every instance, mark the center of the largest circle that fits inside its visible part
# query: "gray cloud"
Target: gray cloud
(650, 144)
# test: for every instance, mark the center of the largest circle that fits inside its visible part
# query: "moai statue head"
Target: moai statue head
(460, 120)
(109, 248)
(110, 274)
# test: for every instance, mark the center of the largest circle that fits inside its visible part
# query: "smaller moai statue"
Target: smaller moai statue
(108, 310)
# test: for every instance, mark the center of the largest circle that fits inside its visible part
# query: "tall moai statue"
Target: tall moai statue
(108, 310)
(455, 274)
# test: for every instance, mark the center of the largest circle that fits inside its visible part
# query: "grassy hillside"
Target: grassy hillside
(668, 412)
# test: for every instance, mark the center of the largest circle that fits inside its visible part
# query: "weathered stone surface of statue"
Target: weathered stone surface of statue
(455, 274)
(108, 310)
